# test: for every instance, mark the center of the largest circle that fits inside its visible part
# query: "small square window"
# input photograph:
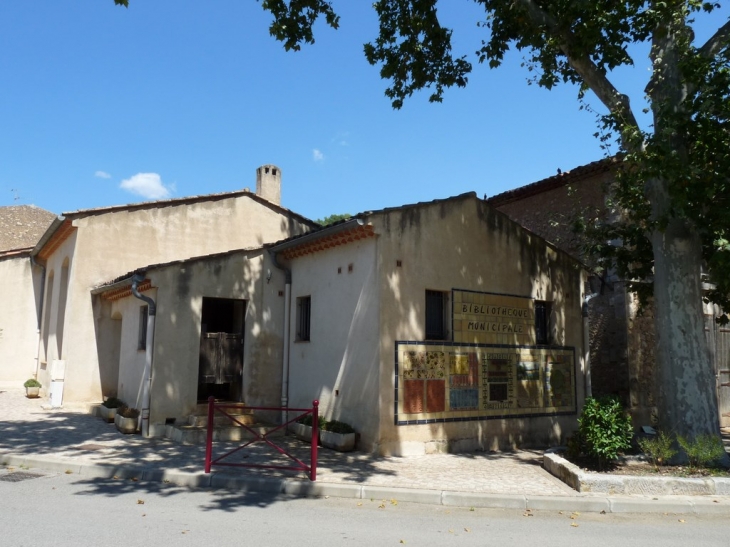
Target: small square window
(304, 315)
(142, 335)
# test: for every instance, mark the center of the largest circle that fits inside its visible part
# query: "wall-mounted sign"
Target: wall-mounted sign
(451, 381)
(482, 318)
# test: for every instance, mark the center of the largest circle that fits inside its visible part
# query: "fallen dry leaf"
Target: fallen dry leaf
(467, 530)
(140, 502)
(681, 520)
(574, 524)
(394, 502)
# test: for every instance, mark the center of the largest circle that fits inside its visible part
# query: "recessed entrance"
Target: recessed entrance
(220, 371)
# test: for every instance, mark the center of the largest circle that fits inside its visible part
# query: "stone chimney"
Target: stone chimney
(268, 183)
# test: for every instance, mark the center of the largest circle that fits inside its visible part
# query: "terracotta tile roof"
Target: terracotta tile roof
(556, 181)
(21, 226)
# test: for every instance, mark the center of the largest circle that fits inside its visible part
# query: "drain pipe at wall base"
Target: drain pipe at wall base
(144, 417)
(40, 312)
(287, 335)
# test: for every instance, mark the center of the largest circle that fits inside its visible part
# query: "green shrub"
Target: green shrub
(307, 420)
(703, 450)
(659, 449)
(604, 429)
(113, 402)
(32, 382)
(336, 426)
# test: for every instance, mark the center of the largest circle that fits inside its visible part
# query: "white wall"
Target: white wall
(339, 365)
(19, 291)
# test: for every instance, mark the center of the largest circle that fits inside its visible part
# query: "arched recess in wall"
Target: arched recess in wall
(62, 295)
(47, 314)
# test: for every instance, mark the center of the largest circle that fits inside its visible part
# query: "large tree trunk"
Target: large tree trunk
(686, 379)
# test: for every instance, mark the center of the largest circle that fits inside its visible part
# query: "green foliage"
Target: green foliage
(659, 449)
(703, 450)
(604, 429)
(113, 402)
(331, 219)
(32, 382)
(127, 412)
(335, 426)
(293, 20)
(307, 420)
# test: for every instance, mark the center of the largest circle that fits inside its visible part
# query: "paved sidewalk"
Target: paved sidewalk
(67, 440)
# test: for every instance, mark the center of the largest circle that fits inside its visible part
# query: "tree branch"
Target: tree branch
(617, 103)
(719, 40)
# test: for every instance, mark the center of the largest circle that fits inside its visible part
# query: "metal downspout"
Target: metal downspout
(41, 298)
(144, 416)
(287, 336)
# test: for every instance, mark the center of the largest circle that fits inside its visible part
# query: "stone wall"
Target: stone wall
(622, 336)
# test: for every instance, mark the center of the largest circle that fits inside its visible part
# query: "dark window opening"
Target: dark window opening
(542, 322)
(304, 316)
(436, 315)
(142, 335)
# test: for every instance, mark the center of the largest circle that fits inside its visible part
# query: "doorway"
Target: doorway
(220, 369)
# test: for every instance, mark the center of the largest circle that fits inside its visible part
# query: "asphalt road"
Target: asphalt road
(68, 510)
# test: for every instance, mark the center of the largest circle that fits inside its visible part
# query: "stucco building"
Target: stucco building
(84, 249)
(440, 326)
(429, 327)
(20, 291)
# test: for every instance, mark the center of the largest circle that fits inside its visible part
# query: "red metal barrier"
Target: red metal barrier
(299, 465)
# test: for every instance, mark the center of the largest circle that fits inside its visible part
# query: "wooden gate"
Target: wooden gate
(221, 358)
(718, 338)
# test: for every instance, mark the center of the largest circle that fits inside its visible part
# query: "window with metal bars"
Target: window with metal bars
(304, 316)
(436, 315)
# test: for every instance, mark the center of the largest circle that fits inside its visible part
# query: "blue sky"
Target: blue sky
(101, 105)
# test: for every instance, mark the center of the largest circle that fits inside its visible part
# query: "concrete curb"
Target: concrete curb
(629, 485)
(295, 487)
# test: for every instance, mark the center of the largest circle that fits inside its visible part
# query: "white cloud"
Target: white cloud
(102, 175)
(341, 138)
(147, 185)
(317, 155)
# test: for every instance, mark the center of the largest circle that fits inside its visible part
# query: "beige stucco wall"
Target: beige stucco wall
(358, 317)
(339, 365)
(19, 292)
(110, 244)
(464, 244)
(130, 377)
(57, 342)
(179, 289)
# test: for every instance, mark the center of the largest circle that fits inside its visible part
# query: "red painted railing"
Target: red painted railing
(298, 465)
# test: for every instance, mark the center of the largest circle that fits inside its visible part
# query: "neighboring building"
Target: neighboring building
(20, 228)
(440, 326)
(84, 249)
(622, 336)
